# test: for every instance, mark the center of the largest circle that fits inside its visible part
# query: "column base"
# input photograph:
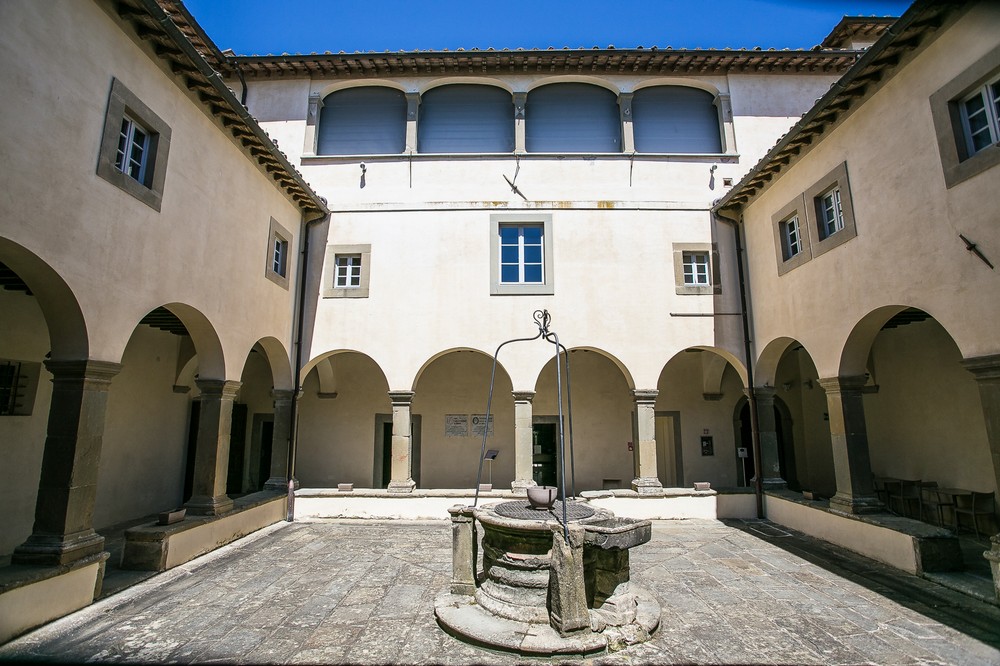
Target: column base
(280, 484)
(648, 486)
(55, 550)
(856, 504)
(402, 486)
(209, 506)
(774, 484)
(993, 555)
(520, 487)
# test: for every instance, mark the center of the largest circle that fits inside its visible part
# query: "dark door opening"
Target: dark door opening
(784, 448)
(192, 447)
(237, 450)
(543, 458)
(386, 454)
(264, 468)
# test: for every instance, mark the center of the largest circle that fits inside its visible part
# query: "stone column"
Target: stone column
(849, 441)
(211, 458)
(520, 143)
(412, 109)
(726, 112)
(401, 479)
(464, 547)
(523, 443)
(768, 431)
(625, 111)
(64, 509)
(646, 481)
(986, 370)
(280, 440)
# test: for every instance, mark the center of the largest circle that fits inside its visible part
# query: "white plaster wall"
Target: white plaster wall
(145, 436)
(337, 436)
(23, 337)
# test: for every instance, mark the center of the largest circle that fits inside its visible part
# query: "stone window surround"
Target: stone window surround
(794, 207)
(722, 103)
(330, 271)
(277, 232)
(956, 163)
(812, 202)
(122, 102)
(715, 283)
(545, 288)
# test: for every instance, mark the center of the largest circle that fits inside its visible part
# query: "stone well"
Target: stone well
(543, 589)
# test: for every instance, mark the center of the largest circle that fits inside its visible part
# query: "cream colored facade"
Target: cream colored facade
(170, 329)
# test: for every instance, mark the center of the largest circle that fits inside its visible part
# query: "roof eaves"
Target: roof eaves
(875, 66)
(188, 63)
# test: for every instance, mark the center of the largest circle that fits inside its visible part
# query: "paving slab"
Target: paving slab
(362, 592)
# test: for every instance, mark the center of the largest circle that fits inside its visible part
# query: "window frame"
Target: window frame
(278, 234)
(544, 288)
(330, 288)
(793, 209)
(836, 179)
(957, 162)
(123, 105)
(714, 285)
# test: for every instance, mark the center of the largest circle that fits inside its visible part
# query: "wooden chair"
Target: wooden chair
(938, 501)
(982, 504)
(878, 482)
(906, 495)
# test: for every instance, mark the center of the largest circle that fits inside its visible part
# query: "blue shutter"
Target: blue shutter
(675, 119)
(466, 119)
(572, 118)
(362, 121)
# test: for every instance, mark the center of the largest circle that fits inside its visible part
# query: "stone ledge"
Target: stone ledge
(155, 547)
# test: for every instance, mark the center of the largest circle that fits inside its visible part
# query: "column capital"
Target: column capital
(315, 104)
(520, 99)
(97, 372)
(644, 395)
(523, 396)
(223, 388)
(841, 384)
(282, 395)
(983, 368)
(401, 397)
(762, 393)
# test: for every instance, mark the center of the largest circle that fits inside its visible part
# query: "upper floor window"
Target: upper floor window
(981, 117)
(362, 121)
(134, 147)
(695, 268)
(675, 119)
(791, 237)
(347, 271)
(572, 118)
(830, 213)
(280, 256)
(466, 119)
(521, 254)
(276, 269)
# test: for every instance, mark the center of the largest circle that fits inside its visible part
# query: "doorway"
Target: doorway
(786, 449)
(544, 453)
(669, 458)
(382, 467)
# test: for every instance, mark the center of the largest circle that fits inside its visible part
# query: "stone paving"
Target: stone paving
(362, 593)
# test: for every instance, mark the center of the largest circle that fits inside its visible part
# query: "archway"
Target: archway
(786, 448)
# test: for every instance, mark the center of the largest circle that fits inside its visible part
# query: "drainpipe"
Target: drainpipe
(758, 485)
(293, 430)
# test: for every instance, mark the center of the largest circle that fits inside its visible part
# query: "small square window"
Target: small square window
(829, 212)
(521, 255)
(277, 254)
(346, 271)
(696, 268)
(791, 237)
(134, 148)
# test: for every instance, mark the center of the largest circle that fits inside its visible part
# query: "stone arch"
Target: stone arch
(324, 371)
(854, 356)
(207, 344)
(471, 80)
(277, 357)
(729, 357)
(435, 357)
(68, 335)
(769, 357)
(609, 356)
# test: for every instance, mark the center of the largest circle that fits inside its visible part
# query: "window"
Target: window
(277, 254)
(980, 112)
(346, 271)
(791, 237)
(966, 114)
(461, 118)
(18, 384)
(521, 255)
(696, 268)
(572, 118)
(369, 120)
(675, 119)
(830, 212)
(133, 154)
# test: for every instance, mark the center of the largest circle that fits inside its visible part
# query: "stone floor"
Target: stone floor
(743, 592)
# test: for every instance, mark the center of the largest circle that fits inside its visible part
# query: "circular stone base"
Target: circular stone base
(463, 618)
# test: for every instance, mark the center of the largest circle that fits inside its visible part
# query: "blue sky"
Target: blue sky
(306, 26)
